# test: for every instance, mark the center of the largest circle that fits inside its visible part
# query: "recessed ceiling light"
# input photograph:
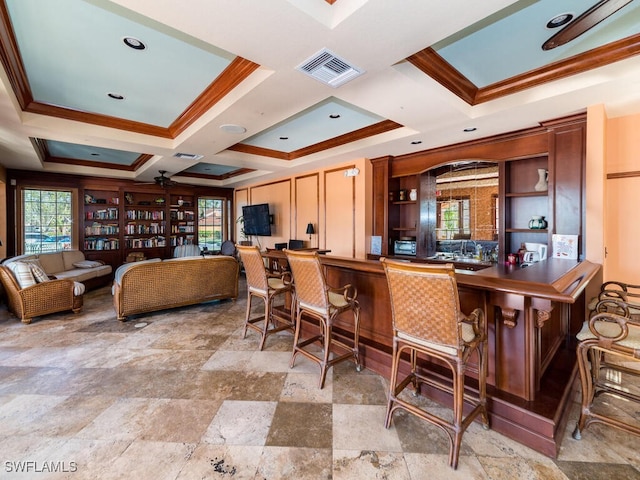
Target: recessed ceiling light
(560, 20)
(115, 96)
(231, 128)
(416, 142)
(94, 154)
(334, 115)
(284, 138)
(134, 43)
(470, 129)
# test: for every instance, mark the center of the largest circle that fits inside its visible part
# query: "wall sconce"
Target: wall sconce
(310, 230)
(352, 172)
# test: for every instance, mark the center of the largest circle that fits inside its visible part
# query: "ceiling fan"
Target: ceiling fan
(587, 20)
(161, 180)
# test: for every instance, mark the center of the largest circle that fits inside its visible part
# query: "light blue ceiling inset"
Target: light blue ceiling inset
(510, 42)
(94, 154)
(210, 169)
(314, 125)
(65, 43)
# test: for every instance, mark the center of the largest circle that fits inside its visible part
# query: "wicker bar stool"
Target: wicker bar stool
(266, 286)
(315, 299)
(608, 348)
(427, 320)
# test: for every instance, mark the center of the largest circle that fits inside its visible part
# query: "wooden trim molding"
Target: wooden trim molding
(613, 176)
(431, 63)
(366, 132)
(238, 70)
(224, 176)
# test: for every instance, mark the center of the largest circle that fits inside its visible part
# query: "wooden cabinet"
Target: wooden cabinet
(403, 209)
(144, 223)
(521, 202)
(556, 146)
(100, 234)
(182, 218)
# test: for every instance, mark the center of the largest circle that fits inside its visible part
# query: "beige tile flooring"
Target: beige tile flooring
(180, 394)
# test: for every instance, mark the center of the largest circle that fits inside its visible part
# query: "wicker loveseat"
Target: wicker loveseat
(40, 298)
(153, 285)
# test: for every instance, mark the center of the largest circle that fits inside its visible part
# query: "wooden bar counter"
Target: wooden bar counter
(532, 314)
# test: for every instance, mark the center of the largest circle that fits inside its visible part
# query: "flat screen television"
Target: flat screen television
(257, 220)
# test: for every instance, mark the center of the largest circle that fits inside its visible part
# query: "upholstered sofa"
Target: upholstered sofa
(69, 265)
(156, 284)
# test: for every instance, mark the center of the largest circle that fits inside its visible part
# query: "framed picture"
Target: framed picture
(565, 246)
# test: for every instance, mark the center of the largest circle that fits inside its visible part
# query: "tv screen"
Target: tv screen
(257, 220)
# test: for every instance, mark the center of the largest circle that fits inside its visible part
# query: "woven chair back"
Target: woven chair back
(424, 301)
(308, 278)
(253, 267)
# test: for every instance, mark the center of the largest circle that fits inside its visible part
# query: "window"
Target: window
(211, 221)
(453, 218)
(47, 220)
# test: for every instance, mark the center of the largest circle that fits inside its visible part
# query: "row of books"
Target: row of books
(175, 241)
(101, 244)
(182, 229)
(141, 228)
(145, 242)
(103, 214)
(102, 229)
(145, 214)
(180, 215)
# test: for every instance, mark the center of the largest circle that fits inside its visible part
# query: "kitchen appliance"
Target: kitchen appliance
(534, 252)
(404, 247)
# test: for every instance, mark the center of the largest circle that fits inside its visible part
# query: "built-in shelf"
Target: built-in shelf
(403, 229)
(527, 194)
(405, 202)
(526, 230)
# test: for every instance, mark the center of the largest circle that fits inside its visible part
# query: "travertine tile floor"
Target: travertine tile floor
(180, 395)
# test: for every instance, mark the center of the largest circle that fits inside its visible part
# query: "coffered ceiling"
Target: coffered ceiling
(226, 93)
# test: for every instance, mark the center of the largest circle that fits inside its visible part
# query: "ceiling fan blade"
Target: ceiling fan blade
(589, 19)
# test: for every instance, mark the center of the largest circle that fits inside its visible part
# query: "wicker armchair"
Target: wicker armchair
(40, 299)
(266, 286)
(609, 346)
(315, 299)
(427, 320)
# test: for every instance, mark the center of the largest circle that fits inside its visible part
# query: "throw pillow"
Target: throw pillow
(88, 264)
(78, 288)
(22, 273)
(39, 274)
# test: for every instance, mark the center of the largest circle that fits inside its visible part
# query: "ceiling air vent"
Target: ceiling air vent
(188, 156)
(329, 69)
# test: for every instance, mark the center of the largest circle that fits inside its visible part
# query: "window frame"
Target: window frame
(20, 204)
(224, 220)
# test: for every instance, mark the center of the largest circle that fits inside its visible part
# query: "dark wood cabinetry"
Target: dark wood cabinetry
(557, 147)
(114, 217)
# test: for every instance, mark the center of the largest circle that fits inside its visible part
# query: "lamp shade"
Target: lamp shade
(310, 229)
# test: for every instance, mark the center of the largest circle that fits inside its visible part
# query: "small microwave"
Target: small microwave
(404, 247)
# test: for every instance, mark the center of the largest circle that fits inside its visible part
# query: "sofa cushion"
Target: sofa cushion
(38, 273)
(52, 263)
(22, 272)
(70, 257)
(88, 264)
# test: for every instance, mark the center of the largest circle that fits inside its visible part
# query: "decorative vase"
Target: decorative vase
(537, 222)
(413, 194)
(542, 185)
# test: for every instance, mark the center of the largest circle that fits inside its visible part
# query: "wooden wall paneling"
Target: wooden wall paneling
(278, 196)
(567, 192)
(380, 204)
(339, 213)
(306, 209)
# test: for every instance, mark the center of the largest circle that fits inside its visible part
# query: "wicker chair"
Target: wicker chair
(268, 287)
(40, 299)
(315, 299)
(628, 293)
(427, 320)
(609, 343)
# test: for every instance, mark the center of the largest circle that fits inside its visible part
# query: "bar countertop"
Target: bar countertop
(553, 279)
